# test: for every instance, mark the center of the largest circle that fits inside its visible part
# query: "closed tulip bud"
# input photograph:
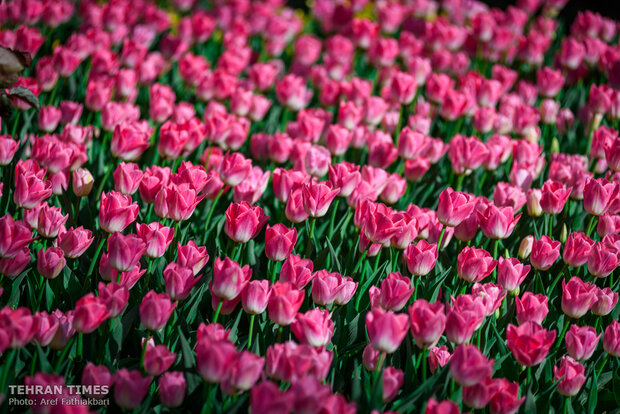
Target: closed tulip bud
(428, 321)
(229, 278)
(172, 388)
(544, 252)
(421, 257)
(50, 262)
(155, 310)
(577, 297)
(533, 202)
(130, 388)
(124, 252)
(279, 242)
(255, 296)
(157, 358)
(179, 281)
(571, 376)
(314, 327)
(294, 210)
(115, 297)
(529, 342)
(468, 366)
(386, 330)
(525, 247)
(90, 312)
(192, 256)
(82, 182)
(531, 307)
(474, 265)
(438, 357)
(284, 303)
(511, 273)
(454, 207)
(214, 360)
(96, 376)
(606, 301)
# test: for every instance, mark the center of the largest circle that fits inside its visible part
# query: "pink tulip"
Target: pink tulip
(192, 256)
(577, 297)
(297, 271)
(130, 139)
(529, 342)
(130, 388)
(96, 376)
(438, 357)
(604, 259)
(314, 327)
(386, 330)
(464, 317)
(157, 358)
(179, 281)
(544, 252)
(172, 388)
(115, 297)
(255, 296)
(127, 178)
(116, 212)
(428, 321)
(571, 376)
(156, 236)
(606, 301)
(454, 207)
(125, 251)
(473, 265)
(246, 369)
(581, 342)
(279, 242)
(82, 182)
(554, 197)
(229, 278)
(90, 312)
(177, 202)
(155, 310)
(599, 195)
(468, 366)
(284, 303)
(497, 222)
(244, 222)
(611, 339)
(577, 249)
(421, 257)
(511, 273)
(531, 307)
(317, 198)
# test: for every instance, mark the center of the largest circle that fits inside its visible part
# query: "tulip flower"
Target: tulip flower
(172, 388)
(125, 251)
(90, 312)
(428, 321)
(279, 242)
(155, 310)
(314, 327)
(284, 303)
(473, 264)
(116, 212)
(96, 375)
(577, 297)
(130, 388)
(244, 222)
(229, 278)
(386, 330)
(529, 342)
(581, 342)
(468, 366)
(544, 252)
(157, 358)
(571, 376)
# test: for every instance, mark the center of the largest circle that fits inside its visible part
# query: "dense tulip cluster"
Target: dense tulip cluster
(378, 207)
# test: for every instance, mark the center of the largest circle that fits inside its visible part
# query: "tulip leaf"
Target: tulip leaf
(25, 95)
(186, 351)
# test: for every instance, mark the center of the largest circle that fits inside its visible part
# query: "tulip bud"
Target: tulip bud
(82, 182)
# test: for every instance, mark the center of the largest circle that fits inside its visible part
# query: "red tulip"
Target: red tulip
(529, 342)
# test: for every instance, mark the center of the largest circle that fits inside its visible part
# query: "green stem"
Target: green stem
(251, 330)
(557, 279)
(459, 182)
(94, 259)
(211, 210)
(590, 226)
(495, 246)
(217, 311)
(443, 230)
(105, 179)
(333, 218)
(561, 338)
(310, 238)
(551, 225)
(424, 358)
(274, 272)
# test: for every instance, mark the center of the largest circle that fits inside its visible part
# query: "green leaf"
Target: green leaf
(593, 399)
(186, 351)
(25, 95)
